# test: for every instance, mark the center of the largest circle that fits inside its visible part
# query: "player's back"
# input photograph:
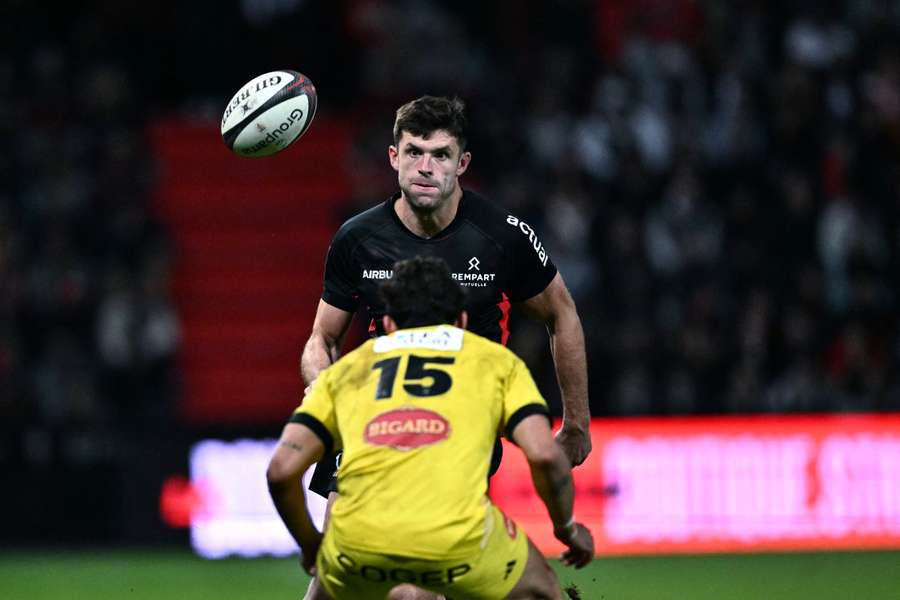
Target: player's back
(417, 413)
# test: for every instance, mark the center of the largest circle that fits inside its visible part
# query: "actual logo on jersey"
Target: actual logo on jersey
(532, 237)
(473, 263)
(407, 429)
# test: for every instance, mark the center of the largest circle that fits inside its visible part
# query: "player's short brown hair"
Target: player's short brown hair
(422, 292)
(423, 116)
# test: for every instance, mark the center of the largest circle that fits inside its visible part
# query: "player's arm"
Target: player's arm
(555, 308)
(552, 476)
(297, 449)
(324, 344)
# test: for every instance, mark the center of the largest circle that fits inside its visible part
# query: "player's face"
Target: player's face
(428, 167)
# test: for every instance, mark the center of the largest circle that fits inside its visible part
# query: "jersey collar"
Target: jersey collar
(458, 218)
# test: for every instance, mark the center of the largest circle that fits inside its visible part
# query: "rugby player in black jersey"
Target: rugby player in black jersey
(498, 258)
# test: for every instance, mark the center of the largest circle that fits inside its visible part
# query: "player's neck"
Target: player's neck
(427, 223)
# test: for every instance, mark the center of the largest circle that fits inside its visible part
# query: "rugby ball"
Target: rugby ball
(269, 113)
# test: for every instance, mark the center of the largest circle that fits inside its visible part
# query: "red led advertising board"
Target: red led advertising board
(725, 485)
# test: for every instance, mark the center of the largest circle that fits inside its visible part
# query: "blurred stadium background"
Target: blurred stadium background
(717, 181)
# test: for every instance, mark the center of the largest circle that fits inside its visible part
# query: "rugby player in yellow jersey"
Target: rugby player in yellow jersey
(416, 413)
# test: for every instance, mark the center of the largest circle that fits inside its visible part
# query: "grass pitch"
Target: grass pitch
(178, 575)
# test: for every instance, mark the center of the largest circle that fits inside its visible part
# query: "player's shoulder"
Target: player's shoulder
(483, 211)
(495, 220)
(487, 348)
(363, 224)
(344, 367)
(358, 355)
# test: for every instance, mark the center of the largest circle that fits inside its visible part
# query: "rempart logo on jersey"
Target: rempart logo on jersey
(464, 279)
(473, 279)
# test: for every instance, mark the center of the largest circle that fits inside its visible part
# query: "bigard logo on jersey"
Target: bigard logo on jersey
(407, 429)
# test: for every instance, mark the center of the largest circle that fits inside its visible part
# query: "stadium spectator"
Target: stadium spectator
(74, 205)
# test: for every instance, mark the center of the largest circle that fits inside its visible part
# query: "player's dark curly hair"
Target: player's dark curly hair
(422, 292)
(427, 114)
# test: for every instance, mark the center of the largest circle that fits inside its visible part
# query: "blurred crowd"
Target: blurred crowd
(718, 183)
(88, 332)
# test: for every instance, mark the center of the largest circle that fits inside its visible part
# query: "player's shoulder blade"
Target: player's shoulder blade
(483, 345)
(350, 361)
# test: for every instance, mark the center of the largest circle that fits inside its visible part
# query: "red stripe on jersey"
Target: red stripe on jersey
(372, 329)
(503, 305)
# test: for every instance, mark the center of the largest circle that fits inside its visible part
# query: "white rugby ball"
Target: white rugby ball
(269, 113)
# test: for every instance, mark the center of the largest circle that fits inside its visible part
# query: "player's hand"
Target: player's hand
(575, 442)
(308, 552)
(580, 544)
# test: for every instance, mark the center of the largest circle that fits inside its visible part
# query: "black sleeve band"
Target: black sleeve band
(323, 480)
(316, 425)
(338, 300)
(533, 284)
(525, 411)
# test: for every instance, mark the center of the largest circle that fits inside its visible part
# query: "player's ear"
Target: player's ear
(389, 324)
(462, 321)
(464, 160)
(394, 157)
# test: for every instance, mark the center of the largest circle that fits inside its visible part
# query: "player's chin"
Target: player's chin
(424, 198)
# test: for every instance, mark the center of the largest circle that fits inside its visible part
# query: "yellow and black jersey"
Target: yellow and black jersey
(416, 414)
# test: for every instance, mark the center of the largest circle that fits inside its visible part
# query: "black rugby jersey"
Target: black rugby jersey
(495, 256)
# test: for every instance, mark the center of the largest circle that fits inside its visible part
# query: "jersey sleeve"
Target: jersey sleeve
(533, 270)
(521, 398)
(341, 278)
(318, 413)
